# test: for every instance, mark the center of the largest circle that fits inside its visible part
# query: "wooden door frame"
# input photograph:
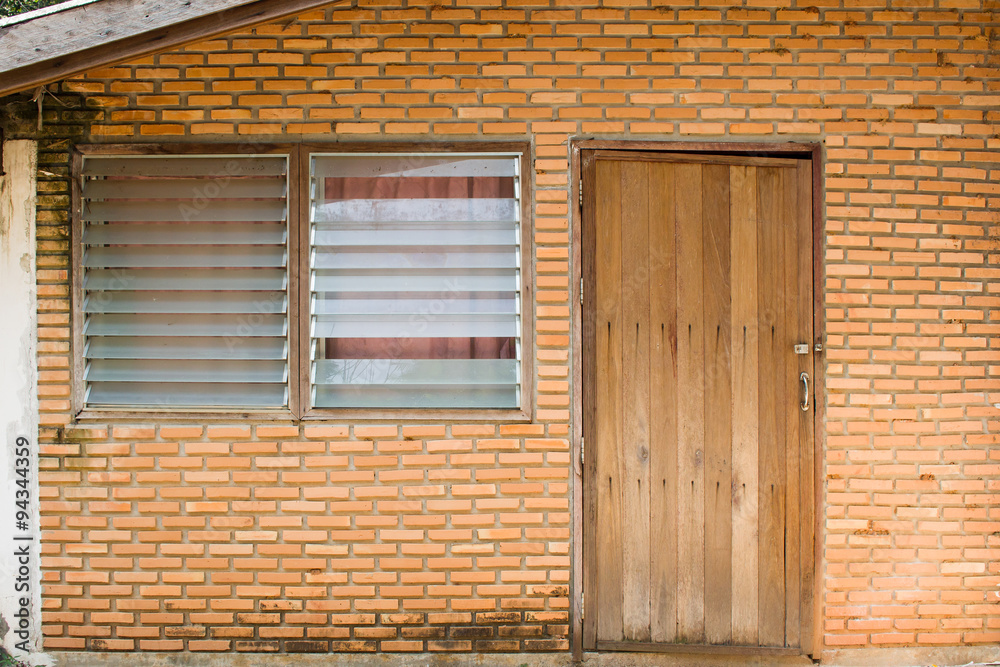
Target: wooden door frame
(811, 151)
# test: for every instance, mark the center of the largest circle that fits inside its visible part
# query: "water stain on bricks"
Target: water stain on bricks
(471, 633)
(312, 646)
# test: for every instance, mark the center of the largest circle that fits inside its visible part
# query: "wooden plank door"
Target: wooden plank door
(699, 506)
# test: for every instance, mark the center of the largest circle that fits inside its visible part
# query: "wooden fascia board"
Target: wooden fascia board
(153, 41)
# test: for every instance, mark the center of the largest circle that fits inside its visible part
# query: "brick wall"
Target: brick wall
(263, 537)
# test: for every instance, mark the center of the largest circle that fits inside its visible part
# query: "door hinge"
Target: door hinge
(581, 291)
(580, 190)
(583, 603)
(581, 452)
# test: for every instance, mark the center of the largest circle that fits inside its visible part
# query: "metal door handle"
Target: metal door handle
(805, 391)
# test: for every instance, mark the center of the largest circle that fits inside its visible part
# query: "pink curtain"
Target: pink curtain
(419, 187)
(420, 348)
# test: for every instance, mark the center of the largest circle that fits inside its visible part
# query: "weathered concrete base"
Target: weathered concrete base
(421, 660)
(867, 657)
(911, 656)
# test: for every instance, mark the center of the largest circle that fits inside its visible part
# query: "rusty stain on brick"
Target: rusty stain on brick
(871, 530)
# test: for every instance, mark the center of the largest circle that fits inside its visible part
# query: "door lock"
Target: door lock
(802, 348)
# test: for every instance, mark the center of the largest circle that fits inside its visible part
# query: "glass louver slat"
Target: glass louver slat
(186, 302)
(216, 233)
(185, 282)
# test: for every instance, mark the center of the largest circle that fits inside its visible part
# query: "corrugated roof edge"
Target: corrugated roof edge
(44, 11)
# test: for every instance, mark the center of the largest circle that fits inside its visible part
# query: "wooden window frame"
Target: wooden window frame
(521, 413)
(81, 411)
(299, 157)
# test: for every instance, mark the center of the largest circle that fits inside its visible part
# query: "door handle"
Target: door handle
(805, 392)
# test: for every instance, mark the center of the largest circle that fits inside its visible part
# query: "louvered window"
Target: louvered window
(185, 281)
(415, 274)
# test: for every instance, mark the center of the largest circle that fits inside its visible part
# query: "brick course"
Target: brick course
(456, 537)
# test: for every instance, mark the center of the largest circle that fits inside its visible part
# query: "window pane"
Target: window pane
(185, 281)
(415, 281)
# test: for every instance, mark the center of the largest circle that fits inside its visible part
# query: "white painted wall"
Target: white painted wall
(18, 397)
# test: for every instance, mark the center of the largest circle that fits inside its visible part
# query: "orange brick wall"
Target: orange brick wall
(440, 536)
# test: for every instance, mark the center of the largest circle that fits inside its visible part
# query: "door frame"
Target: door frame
(579, 148)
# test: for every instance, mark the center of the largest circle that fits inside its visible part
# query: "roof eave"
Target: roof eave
(154, 41)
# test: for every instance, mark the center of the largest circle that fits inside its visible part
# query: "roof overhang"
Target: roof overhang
(46, 46)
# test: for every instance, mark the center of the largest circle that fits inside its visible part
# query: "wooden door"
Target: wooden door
(699, 506)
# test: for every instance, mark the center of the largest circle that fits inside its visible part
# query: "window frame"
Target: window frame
(299, 410)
